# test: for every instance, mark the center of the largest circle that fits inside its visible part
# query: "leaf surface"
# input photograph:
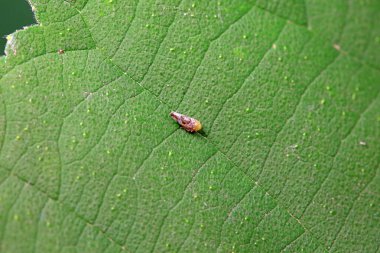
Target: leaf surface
(90, 161)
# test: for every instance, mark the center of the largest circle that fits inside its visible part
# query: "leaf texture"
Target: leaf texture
(288, 96)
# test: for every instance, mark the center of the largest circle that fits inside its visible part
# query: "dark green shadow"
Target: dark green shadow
(14, 15)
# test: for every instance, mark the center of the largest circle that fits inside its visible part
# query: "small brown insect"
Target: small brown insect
(61, 51)
(188, 123)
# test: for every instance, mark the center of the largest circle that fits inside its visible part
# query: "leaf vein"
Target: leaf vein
(206, 51)
(246, 78)
(338, 150)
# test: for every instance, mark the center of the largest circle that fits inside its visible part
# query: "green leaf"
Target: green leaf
(287, 92)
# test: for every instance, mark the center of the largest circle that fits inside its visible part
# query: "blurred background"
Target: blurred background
(14, 14)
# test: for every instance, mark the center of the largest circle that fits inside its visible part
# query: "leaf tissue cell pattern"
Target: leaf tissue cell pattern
(91, 162)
